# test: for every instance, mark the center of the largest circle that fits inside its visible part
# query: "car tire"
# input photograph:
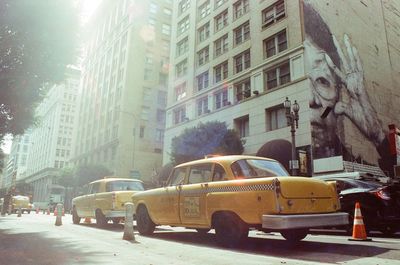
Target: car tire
(75, 218)
(145, 225)
(202, 231)
(101, 220)
(230, 230)
(295, 235)
(29, 212)
(116, 220)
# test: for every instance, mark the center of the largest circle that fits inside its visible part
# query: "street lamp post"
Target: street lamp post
(292, 121)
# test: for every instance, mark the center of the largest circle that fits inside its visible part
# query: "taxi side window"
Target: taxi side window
(200, 173)
(178, 176)
(219, 173)
(95, 188)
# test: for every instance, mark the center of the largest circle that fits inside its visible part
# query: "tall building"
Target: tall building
(123, 96)
(52, 139)
(237, 61)
(16, 166)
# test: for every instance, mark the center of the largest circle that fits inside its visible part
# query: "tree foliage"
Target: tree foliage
(37, 40)
(206, 138)
(82, 175)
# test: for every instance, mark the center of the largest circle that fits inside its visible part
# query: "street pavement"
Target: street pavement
(34, 239)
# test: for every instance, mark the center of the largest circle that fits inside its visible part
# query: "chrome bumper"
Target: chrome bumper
(112, 214)
(304, 220)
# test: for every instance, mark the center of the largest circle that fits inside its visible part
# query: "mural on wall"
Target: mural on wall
(339, 91)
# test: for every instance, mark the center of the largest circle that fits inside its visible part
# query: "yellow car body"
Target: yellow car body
(237, 193)
(105, 200)
(20, 202)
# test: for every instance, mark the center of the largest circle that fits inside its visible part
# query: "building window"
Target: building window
(202, 81)
(242, 89)
(179, 115)
(203, 56)
(167, 12)
(219, 3)
(153, 8)
(275, 118)
(182, 47)
(275, 44)
(159, 135)
(160, 116)
(204, 10)
(181, 68)
(204, 32)
(183, 6)
(183, 25)
(180, 91)
(242, 126)
(278, 76)
(161, 97)
(273, 14)
(242, 33)
(202, 106)
(141, 132)
(221, 72)
(166, 29)
(242, 61)
(221, 45)
(221, 20)
(240, 8)
(221, 99)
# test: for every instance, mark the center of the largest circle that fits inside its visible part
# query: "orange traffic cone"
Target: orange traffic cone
(48, 211)
(37, 210)
(55, 212)
(88, 220)
(359, 233)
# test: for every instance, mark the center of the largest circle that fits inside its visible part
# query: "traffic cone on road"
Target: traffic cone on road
(88, 220)
(37, 210)
(359, 232)
(48, 211)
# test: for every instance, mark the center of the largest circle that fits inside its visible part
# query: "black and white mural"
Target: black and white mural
(339, 92)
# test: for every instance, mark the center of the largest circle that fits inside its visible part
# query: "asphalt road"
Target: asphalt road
(34, 239)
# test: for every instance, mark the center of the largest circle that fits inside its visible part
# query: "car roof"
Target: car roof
(229, 159)
(116, 179)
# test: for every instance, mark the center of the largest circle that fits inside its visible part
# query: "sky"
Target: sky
(87, 8)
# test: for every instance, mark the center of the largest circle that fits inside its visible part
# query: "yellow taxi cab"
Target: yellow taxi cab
(105, 200)
(20, 202)
(232, 194)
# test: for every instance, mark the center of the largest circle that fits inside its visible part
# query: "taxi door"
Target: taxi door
(166, 209)
(193, 208)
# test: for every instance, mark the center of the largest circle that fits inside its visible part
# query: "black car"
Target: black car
(380, 203)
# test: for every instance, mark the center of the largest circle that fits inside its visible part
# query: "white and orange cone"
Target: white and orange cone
(359, 232)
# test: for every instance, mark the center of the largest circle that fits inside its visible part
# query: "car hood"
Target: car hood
(355, 190)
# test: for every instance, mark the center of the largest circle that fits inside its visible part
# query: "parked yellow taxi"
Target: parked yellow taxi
(105, 200)
(20, 202)
(234, 193)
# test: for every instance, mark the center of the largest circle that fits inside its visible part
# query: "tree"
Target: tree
(88, 173)
(206, 138)
(37, 41)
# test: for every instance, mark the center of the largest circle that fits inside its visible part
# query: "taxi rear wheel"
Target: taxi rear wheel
(230, 230)
(202, 231)
(75, 218)
(295, 235)
(101, 220)
(144, 223)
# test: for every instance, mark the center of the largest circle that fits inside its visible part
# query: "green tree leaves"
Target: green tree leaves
(37, 40)
(206, 138)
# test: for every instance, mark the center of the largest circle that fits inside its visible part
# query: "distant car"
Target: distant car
(21, 202)
(105, 200)
(380, 203)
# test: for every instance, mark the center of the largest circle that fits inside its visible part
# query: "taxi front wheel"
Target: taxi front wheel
(75, 218)
(144, 223)
(230, 229)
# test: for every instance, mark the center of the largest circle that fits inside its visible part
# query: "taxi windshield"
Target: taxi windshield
(124, 185)
(257, 168)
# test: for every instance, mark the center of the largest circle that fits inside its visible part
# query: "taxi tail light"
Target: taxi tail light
(113, 196)
(381, 194)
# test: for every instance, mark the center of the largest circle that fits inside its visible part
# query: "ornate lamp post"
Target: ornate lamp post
(292, 121)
